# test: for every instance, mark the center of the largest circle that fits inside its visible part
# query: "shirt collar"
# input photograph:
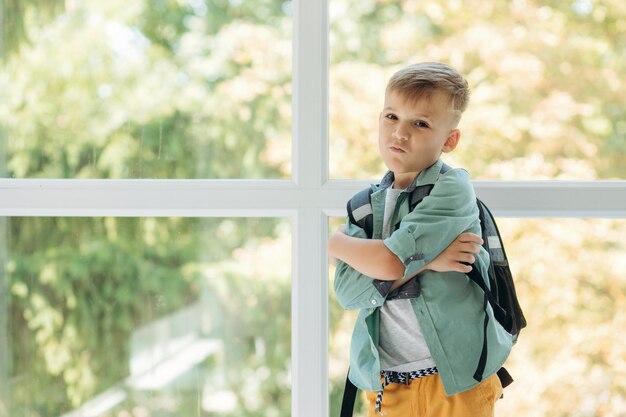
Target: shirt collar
(427, 176)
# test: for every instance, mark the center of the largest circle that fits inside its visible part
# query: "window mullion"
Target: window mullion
(310, 170)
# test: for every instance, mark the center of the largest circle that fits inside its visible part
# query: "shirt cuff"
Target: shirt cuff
(402, 244)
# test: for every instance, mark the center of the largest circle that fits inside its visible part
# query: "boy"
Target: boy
(418, 341)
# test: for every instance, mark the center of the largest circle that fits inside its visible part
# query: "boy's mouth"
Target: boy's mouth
(396, 149)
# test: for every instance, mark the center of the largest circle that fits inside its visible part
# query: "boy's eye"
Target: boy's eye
(391, 116)
(421, 124)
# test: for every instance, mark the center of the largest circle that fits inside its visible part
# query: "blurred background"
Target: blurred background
(139, 317)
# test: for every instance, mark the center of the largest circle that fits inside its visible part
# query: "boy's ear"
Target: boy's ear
(452, 140)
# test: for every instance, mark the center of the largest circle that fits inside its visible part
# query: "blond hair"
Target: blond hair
(426, 78)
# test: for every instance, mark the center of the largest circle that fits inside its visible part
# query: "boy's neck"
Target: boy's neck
(404, 181)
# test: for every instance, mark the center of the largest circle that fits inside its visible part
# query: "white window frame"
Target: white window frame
(308, 200)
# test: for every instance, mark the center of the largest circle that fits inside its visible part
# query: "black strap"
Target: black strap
(350, 216)
(499, 313)
(482, 361)
(349, 395)
(418, 195)
(422, 191)
(505, 377)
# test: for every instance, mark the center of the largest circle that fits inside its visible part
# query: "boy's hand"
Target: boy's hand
(341, 229)
(461, 250)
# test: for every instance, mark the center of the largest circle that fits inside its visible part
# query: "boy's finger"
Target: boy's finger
(468, 237)
(467, 247)
(466, 258)
(470, 248)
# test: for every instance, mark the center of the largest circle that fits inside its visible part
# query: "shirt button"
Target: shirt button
(374, 302)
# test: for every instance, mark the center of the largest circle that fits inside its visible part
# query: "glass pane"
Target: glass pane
(546, 78)
(168, 89)
(127, 317)
(569, 276)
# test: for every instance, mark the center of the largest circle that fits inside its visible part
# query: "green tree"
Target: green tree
(135, 90)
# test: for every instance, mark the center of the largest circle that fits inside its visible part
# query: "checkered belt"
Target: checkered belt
(400, 378)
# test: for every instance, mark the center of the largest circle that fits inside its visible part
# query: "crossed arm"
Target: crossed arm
(372, 258)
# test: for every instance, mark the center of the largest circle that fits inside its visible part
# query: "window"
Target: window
(289, 181)
(125, 316)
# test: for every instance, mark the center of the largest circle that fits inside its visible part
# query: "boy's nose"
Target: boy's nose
(400, 134)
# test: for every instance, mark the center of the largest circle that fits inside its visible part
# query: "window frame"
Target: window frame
(308, 200)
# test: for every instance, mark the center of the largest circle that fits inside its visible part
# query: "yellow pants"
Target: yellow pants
(425, 397)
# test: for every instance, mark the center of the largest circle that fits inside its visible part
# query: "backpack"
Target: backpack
(501, 294)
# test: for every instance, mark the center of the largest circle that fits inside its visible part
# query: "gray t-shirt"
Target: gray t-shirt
(401, 346)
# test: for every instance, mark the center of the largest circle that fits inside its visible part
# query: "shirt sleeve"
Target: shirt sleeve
(449, 210)
(353, 289)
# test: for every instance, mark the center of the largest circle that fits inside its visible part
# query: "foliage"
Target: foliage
(252, 311)
(78, 294)
(14, 31)
(113, 101)
(547, 91)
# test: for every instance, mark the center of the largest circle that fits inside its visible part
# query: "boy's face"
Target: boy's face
(412, 134)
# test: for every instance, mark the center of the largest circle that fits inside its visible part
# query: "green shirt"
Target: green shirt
(449, 308)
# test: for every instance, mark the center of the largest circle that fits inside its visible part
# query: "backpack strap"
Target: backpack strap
(420, 192)
(418, 195)
(493, 245)
(499, 313)
(489, 230)
(349, 395)
(500, 278)
(360, 211)
(505, 377)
